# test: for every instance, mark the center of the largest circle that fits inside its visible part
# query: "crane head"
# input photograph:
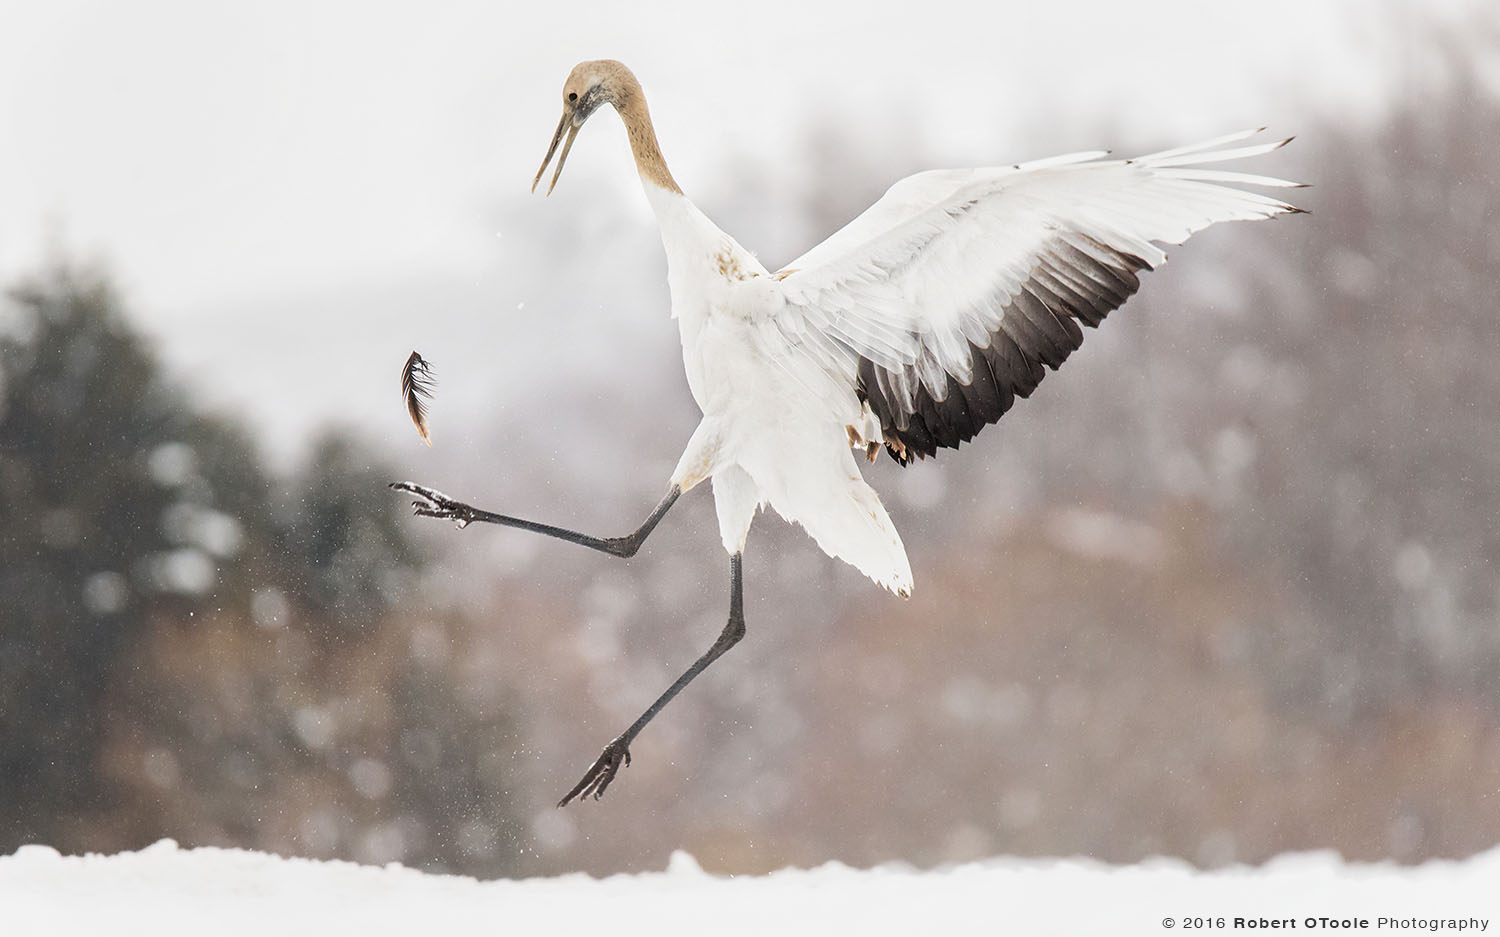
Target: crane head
(589, 86)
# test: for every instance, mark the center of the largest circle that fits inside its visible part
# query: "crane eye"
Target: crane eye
(572, 95)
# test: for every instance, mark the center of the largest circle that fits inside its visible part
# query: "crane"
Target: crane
(910, 329)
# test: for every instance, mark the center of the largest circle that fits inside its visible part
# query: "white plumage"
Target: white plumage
(916, 287)
(913, 328)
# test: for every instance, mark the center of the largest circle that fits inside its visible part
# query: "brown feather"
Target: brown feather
(416, 387)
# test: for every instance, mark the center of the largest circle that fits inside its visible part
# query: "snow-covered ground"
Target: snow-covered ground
(165, 891)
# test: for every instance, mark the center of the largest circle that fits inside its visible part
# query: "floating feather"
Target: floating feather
(416, 387)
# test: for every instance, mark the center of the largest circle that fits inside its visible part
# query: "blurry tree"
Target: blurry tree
(1377, 490)
(98, 525)
(343, 551)
(192, 648)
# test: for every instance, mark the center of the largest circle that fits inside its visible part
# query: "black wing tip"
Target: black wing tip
(1083, 281)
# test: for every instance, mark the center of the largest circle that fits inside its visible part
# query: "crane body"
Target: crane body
(910, 329)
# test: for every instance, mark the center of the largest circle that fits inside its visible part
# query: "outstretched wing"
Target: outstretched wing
(942, 302)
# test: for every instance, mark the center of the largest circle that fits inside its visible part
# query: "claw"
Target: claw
(601, 773)
(434, 503)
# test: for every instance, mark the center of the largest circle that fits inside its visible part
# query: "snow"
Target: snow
(164, 890)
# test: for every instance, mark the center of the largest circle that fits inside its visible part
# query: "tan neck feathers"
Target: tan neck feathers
(630, 101)
(616, 84)
(643, 143)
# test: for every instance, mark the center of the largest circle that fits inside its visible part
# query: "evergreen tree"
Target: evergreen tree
(189, 646)
(99, 513)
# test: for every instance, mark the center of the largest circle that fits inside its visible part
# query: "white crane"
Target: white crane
(912, 328)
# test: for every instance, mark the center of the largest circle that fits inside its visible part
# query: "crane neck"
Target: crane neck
(643, 143)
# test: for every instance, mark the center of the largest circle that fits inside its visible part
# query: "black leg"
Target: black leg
(434, 503)
(617, 753)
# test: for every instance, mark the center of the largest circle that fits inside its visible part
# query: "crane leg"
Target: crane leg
(433, 503)
(617, 753)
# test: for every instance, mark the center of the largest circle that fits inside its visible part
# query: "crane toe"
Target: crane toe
(433, 503)
(601, 773)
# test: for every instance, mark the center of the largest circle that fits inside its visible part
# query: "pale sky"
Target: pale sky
(223, 154)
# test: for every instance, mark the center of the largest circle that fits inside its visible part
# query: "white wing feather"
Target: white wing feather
(909, 293)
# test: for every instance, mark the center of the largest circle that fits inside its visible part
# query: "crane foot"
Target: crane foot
(433, 503)
(597, 779)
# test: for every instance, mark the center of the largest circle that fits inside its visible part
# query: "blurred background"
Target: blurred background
(1225, 587)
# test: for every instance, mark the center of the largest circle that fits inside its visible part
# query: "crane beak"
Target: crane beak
(572, 128)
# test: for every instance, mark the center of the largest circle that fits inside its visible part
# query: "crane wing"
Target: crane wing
(941, 303)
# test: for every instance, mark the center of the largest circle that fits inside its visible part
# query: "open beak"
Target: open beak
(565, 124)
